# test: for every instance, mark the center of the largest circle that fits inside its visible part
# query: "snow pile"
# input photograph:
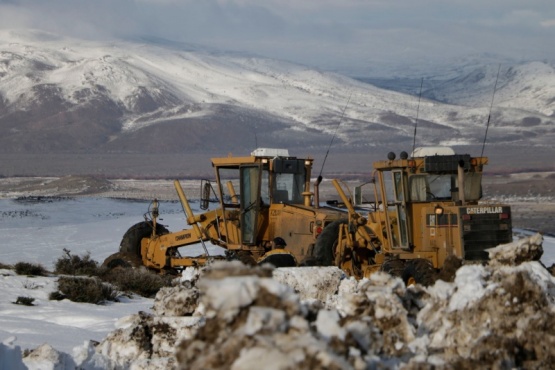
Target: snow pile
(180, 300)
(496, 316)
(249, 318)
(236, 317)
(148, 341)
(145, 341)
(321, 283)
(46, 357)
(527, 249)
(10, 355)
(505, 323)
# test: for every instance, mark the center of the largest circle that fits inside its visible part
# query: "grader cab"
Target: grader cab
(426, 210)
(262, 196)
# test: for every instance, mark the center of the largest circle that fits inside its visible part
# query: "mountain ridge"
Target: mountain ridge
(60, 95)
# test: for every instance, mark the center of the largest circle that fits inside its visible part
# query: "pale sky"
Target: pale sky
(355, 37)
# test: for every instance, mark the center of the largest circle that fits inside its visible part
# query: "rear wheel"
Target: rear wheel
(324, 247)
(394, 267)
(419, 271)
(125, 260)
(131, 241)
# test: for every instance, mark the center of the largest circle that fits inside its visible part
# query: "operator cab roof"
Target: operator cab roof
(257, 155)
(429, 151)
(270, 152)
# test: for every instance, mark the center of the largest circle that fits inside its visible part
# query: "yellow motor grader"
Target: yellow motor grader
(261, 196)
(426, 210)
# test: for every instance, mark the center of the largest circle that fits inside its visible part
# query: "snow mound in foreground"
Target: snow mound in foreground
(237, 317)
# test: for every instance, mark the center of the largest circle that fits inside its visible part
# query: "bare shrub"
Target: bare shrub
(139, 281)
(85, 290)
(31, 269)
(56, 296)
(24, 301)
(5, 267)
(70, 264)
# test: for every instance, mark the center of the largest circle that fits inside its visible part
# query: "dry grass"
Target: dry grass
(84, 290)
(70, 264)
(30, 269)
(139, 281)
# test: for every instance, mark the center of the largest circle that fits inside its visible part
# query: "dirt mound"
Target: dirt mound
(512, 254)
(231, 316)
(504, 323)
(488, 317)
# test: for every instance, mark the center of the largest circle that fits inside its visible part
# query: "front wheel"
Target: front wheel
(419, 271)
(324, 249)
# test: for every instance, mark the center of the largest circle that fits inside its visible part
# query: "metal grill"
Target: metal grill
(485, 231)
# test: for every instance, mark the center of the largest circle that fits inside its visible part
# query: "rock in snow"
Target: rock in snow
(232, 316)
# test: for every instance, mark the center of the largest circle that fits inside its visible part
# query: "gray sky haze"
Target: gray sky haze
(355, 37)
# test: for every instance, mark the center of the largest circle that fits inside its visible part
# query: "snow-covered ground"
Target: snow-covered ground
(38, 232)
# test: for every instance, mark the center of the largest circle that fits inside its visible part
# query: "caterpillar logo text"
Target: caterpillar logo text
(483, 210)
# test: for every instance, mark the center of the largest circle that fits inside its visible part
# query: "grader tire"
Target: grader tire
(449, 270)
(124, 260)
(419, 271)
(324, 247)
(131, 241)
(394, 267)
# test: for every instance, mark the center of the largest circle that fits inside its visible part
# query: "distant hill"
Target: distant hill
(526, 86)
(60, 95)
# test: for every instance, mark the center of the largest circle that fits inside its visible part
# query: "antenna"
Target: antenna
(335, 133)
(417, 111)
(490, 107)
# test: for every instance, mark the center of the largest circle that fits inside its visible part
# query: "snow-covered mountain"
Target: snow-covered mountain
(528, 86)
(59, 94)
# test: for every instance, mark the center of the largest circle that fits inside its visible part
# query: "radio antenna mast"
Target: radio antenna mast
(490, 107)
(417, 111)
(334, 134)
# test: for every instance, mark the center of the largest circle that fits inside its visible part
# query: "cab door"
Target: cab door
(250, 202)
(403, 231)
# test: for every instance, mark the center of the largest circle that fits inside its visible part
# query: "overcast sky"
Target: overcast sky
(356, 37)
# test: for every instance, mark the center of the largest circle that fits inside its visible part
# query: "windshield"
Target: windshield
(288, 187)
(444, 187)
(285, 185)
(230, 186)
